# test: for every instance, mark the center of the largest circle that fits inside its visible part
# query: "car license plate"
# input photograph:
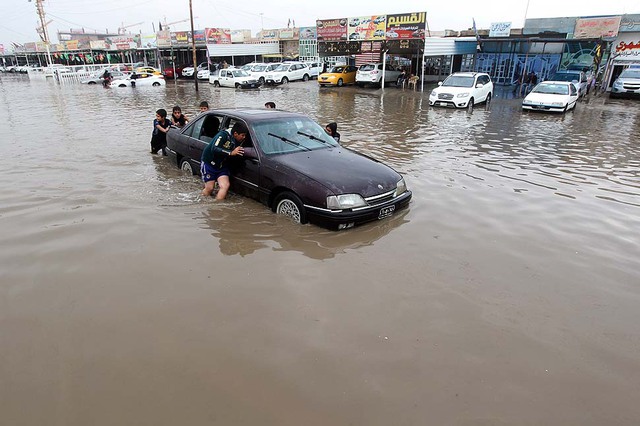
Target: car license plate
(386, 212)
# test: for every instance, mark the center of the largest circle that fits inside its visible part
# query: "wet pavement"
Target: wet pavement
(506, 294)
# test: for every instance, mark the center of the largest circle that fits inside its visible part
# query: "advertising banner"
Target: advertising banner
(199, 36)
(596, 27)
(269, 35)
(627, 47)
(307, 33)
(630, 23)
(332, 29)
(1, 49)
(406, 26)
(148, 41)
(218, 35)
(182, 37)
(287, 34)
(71, 45)
(500, 29)
(367, 27)
(98, 45)
(237, 36)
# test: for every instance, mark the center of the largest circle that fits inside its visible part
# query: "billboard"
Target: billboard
(148, 41)
(626, 48)
(218, 35)
(367, 27)
(332, 29)
(406, 26)
(308, 33)
(500, 29)
(199, 36)
(596, 27)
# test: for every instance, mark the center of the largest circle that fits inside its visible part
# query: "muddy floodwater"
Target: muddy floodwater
(508, 293)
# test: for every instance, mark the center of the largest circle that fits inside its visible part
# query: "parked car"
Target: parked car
(140, 81)
(203, 74)
(96, 78)
(372, 74)
(285, 163)
(260, 71)
(338, 76)
(315, 68)
(462, 90)
(238, 78)
(189, 71)
(578, 78)
(148, 70)
(552, 96)
(627, 84)
(168, 71)
(288, 71)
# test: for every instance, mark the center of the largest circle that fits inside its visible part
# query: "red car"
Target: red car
(168, 71)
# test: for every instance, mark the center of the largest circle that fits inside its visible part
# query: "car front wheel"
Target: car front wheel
(285, 80)
(340, 83)
(470, 105)
(288, 204)
(216, 84)
(305, 77)
(156, 84)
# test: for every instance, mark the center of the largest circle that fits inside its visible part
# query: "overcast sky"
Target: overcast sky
(18, 19)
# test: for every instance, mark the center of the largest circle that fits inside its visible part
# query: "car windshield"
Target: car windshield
(566, 77)
(240, 73)
(459, 81)
(630, 73)
(337, 70)
(368, 67)
(552, 89)
(286, 135)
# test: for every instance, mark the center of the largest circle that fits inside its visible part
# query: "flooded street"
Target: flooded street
(507, 293)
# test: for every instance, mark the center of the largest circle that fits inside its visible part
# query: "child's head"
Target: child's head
(204, 106)
(177, 110)
(161, 113)
(270, 105)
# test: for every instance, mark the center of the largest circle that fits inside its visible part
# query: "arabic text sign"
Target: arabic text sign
(596, 27)
(406, 25)
(500, 29)
(367, 27)
(627, 49)
(218, 35)
(332, 29)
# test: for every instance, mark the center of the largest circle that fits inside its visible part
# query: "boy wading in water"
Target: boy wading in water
(214, 166)
(159, 136)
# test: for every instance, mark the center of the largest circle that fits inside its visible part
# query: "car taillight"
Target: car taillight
(161, 76)
(374, 72)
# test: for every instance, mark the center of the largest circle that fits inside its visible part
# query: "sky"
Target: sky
(19, 19)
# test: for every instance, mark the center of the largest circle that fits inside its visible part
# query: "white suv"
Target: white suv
(288, 71)
(462, 90)
(315, 68)
(189, 71)
(260, 71)
(372, 74)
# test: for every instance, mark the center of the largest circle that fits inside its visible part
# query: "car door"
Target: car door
(573, 96)
(245, 169)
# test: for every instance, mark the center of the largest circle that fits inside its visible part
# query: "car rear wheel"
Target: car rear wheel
(305, 77)
(285, 80)
(156, 84)
(340, 82)
(216, 84)
(288, 204)
(185, 166)
(122, 85)
(261, 80)
(237, 85)
(92, 82)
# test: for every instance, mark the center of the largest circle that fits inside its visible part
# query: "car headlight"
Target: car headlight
(345, 201)
(617, 83)
(462, 95)
(433, 94)
(401, 187)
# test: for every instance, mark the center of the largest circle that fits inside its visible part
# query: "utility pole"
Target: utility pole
(193, 46)
(42, 29)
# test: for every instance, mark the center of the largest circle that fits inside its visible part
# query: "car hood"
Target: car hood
(631, 80)
(343, 171)
(452, 89)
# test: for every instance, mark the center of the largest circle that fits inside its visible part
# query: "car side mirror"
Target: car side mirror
(479, 86)
(439, 83)
(250, 153)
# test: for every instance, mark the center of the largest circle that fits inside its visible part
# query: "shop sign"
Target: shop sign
(199, 36)
(596, 27)
(367, 27)
(627, 48)
(500, 29)
(307, 33)
(149, 41)
(406, 26)
(332, 29)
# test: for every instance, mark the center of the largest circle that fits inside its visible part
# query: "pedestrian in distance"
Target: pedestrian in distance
(161, 126)
(178, 119)
(270, 105)
(214, 166)
(332, 130)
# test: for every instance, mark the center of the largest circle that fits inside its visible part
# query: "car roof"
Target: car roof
(256, 114)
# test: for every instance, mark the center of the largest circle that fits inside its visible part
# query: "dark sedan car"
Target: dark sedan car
(294, 167)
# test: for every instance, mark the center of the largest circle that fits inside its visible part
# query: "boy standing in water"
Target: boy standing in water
(214, 166)
(159, 136)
